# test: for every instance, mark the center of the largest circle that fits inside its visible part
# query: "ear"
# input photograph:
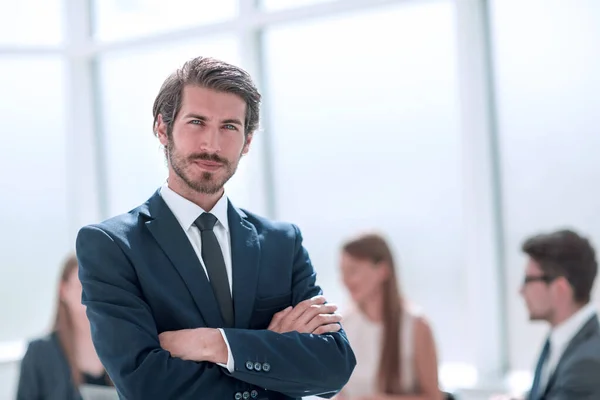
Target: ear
(160, 129)
(248, 140)
(563, 287)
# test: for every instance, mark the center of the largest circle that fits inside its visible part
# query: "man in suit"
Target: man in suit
(190, 297)
(559, 277)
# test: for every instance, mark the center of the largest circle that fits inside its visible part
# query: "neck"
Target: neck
(563, 314)
(203, 200)
(372, 307)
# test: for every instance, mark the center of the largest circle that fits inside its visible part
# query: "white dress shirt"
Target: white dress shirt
(186, 214)
(561, 336)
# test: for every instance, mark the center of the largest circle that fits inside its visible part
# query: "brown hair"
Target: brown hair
(63, 324)
(211, 74)
(565, 253)
(373, 247)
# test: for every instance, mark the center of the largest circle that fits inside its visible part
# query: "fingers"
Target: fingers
(307, 316)
(322, 319)
(301, 307)
(277, 319)
(328, 328)
(314, 310)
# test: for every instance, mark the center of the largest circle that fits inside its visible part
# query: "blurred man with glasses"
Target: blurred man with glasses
(559, 277)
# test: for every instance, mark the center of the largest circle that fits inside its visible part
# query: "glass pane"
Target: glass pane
(547, 64)
(31, 22)
(272, 5)
(120, 19)
(130, 82)
(367, 136)
(33, 209)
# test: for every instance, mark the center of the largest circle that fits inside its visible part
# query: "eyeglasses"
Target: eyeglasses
(540, 278)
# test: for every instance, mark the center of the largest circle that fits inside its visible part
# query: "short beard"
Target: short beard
(207, 183)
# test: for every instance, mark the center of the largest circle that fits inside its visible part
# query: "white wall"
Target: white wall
(365, 135)
(547, 61)
(33, 200)
(9, 373)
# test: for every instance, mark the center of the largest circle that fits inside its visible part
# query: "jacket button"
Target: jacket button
(238, 396)
(266, 367)
(254, 394)
(246, 395)
(249, 365)
(257, 366)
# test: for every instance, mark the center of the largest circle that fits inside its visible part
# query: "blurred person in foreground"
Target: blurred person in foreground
(56, 366)
(190, 297)
(559, 276)
(394, 345)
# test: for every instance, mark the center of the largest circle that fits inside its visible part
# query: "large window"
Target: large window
(364, 122)
(273, 5)
(33, 204)
(31, 22)
(122, 19)
(130, 81)
(548, 100)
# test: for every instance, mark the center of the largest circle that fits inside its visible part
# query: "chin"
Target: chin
(358, 299)
(534, 317)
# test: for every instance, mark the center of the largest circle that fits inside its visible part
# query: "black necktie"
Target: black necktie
(536, 391)
(215, 266)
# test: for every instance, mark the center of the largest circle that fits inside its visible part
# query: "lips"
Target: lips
(208, 165)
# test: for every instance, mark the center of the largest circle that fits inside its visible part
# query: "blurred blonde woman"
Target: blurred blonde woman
(393, 343)
(55, 366)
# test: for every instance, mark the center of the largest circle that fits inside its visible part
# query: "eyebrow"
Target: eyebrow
(203, 118)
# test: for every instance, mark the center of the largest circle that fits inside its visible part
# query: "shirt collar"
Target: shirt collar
(562, 334)
(186, 212)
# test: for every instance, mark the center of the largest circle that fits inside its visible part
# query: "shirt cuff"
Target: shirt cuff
(230, 364)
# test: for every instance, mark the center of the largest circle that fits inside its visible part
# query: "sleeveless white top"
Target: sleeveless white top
(365, 338)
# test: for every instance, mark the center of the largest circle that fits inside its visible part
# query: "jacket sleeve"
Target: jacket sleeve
(292, 363)
(124, 332)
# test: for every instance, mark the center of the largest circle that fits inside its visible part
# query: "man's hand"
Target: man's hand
(200, 344)
(309, 316)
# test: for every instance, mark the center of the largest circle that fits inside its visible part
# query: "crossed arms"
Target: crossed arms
(307, 355)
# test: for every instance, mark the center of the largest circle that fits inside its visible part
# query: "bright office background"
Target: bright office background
(456, 127)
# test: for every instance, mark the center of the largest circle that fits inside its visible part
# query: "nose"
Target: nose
(210, 140)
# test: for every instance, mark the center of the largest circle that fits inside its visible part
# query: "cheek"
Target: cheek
(361, 282)
(74, 294)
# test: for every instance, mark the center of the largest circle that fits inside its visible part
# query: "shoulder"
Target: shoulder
(42, 348)
(421, 326)
(120, 227)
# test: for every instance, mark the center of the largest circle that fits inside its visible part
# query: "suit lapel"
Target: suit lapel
(245, 257)
(173, 240)
(588, 329)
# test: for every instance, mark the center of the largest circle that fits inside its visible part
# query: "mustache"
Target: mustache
(208, 157)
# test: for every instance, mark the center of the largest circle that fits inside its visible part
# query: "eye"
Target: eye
(230, 127)
(196, 122)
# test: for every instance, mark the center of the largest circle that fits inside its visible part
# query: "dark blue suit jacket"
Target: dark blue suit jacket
(141, 277)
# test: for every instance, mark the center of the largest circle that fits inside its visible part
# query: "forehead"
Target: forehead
(201, 100)
(350, 261)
